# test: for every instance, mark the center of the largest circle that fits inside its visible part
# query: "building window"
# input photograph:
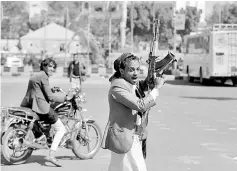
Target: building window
(112, 9)
(86, 5)
(98, 9)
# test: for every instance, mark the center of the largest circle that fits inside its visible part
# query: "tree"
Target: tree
(143, 16)
(76, 18)
(15, 19)
(226, 13)
(230, 13)
(123, 23)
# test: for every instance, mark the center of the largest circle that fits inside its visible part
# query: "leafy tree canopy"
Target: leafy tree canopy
(226, 13)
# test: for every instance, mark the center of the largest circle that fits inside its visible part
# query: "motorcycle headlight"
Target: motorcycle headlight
(78, 101)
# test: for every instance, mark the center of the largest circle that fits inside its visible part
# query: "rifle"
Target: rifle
(157, 68)
(153, 53)
(141, 129)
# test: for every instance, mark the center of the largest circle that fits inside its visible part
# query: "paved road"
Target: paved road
(192, 127)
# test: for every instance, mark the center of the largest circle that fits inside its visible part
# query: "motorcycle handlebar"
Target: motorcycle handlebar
(58, 89)
(61, 90)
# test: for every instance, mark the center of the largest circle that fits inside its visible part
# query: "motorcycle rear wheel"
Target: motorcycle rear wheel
(8, 141)
(80, 139)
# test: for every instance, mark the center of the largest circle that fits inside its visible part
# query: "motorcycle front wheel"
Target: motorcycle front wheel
(13, 150)
(86, 142)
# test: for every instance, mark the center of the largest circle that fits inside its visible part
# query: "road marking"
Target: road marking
(165, 128)
(155, 122)
(203, 126)
(160, 125)
(214, 147)
(232, 129)
(234, 118)
(197, 123)
(222, 132)
(224, 155)
(210, 129)
(190, 159)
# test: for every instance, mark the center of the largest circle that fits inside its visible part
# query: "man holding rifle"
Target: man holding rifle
(122, 134)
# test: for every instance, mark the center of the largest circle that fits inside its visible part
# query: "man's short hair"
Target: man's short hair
(75, 55)
(127, 60)
(46, 62)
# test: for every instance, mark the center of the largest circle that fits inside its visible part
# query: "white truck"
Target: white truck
(212, 55)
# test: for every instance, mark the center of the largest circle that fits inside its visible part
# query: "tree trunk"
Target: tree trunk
(123, 23)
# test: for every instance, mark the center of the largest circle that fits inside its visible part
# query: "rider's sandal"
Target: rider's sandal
(53, 160)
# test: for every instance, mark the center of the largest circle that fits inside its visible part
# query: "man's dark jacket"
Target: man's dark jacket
(39, 95)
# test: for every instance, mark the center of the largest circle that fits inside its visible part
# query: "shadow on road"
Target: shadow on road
(210, 98)
(41, 160)
(186, 83)
(33, 159)
(67, 158)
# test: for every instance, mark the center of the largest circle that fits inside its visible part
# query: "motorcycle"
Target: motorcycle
(19, 138)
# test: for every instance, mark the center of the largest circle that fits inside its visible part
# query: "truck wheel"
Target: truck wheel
(203, 81)
(223, 81)
(234, 81)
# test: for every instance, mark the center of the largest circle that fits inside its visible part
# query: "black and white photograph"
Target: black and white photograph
(118, 85)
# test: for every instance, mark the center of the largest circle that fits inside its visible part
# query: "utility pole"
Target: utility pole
(3, 17)
(174, 16)
(219, 13)
(88, 31)
(44, 47)
(110, 25)
(174, 48)
(132, 26)
(109, 17)
(153, 27)
(45, 30)
(65, 46)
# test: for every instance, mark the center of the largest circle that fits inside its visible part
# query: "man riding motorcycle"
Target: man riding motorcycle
(38, 97)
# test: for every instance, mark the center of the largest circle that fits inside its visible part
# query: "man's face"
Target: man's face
(76, 58)
(49, 69)
(131, 71)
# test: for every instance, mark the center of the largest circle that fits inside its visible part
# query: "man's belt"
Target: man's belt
(74, 76)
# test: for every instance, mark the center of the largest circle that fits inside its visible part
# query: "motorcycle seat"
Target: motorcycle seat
(23, 112)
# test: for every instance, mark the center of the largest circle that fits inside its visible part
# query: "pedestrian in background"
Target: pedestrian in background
(76, 72)
(120, 136)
